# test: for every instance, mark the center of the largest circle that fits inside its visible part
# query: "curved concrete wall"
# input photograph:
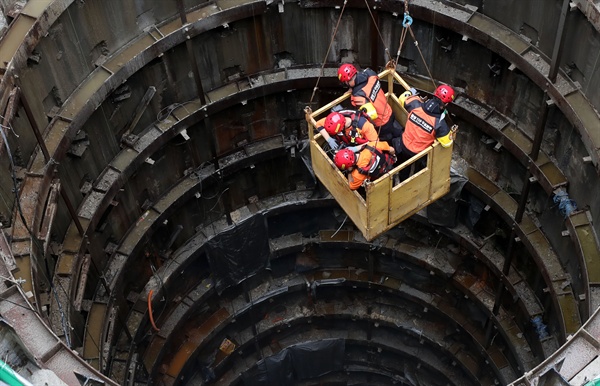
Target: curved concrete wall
(84, 69)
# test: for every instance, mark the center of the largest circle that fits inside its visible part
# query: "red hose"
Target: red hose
(150, 311)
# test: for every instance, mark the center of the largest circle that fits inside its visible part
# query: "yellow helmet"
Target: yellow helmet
(403, 97)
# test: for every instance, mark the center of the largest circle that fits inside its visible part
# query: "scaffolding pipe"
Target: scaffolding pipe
(10, 377)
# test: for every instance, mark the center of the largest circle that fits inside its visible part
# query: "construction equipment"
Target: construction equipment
(385, 203)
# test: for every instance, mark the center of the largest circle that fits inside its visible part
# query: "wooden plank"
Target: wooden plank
(337, 184)
(385, 206)
(440, 164)
(378, 204)
(409, 195)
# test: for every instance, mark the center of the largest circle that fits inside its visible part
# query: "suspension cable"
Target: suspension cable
(387, 51)
(422, 57)
(328, 50)
(405, 23)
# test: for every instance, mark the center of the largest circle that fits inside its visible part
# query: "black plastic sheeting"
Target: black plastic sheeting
(299, 362)
(473, 213)
(444, 211)
(239, 252)
(304, 151)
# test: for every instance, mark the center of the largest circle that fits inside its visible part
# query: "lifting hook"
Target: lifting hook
(407, 20)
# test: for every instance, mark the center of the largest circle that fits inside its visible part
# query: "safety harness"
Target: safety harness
(379, 163)
(353, 136)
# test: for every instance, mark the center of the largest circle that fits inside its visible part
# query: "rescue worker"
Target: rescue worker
(425, 122)
(368, 95)
(368, 163)
(348, 127)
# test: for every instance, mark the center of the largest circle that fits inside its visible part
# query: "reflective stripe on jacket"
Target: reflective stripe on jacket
(422, 128)
(367, 89)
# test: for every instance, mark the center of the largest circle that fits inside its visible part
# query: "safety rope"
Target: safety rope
(406, 23)
(387, 51)
(328, 50)
(422, 57)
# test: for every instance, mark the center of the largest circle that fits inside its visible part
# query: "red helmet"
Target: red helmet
(334, 123)
(346, 72)
(344, 159)
(445, 93)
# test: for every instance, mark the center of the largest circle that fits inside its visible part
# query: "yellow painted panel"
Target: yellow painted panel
(440, 164)
(23, 272)
(385, 206)
(378, 204)
(337, 184)
(13, 39)
(409, 195)
(93, 333)
(35, 9)
(399, 111)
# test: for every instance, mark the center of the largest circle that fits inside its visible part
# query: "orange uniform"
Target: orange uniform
(370, 164)
(367, 89)
(359, 131)
(424, 124)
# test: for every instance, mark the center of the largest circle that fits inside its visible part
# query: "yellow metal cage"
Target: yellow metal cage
(385, 204)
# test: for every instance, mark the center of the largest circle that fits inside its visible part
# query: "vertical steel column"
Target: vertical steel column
(501, 289)
(535, 151)
(190, 52)
(251, 312)
(558, 42)
(198, 81)
(44, 149)
(36, 131)
(539, 129)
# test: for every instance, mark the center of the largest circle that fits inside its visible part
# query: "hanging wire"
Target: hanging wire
(421, 54)
(328, 50)
(402, 38)
(406, 22)
(387, 51)
(340, 227)
(35, 241)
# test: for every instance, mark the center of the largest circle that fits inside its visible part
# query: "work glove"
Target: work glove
(332, 144)
(355, 149)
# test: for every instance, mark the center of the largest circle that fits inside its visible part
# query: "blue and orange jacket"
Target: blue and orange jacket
(425, 123)
(367, 89)
(374, 160)
(360, 131)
